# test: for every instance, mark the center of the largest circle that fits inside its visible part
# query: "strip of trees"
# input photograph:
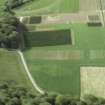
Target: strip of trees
(11, 4)
(8, 31)
(11, 35)
(13, 94)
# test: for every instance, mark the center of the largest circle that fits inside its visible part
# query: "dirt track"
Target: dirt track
(85, 9)
(29, 75)
(72, 17)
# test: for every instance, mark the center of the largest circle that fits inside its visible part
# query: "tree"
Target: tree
(36, 101)
(8, 31)
(45, 103)
(11, 4)
(62, 100)
(90, 99)
(1, 102)
(10, 20)
(14, 101)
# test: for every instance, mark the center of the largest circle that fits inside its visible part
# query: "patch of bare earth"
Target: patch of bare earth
(57, 55)
(93, 81)
(65, 18)
(89, 5)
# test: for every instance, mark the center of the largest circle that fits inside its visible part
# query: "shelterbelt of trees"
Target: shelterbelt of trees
(8, 30)
(11, 4)
(13, 94)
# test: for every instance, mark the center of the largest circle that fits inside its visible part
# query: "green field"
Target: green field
(103, 4)
(11, 69)
(54, 72)
(40, 7)
(48, 38)
(89, 38)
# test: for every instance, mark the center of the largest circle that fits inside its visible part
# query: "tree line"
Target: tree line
(12, 93)
(10, 26)
(8, 31)
(11, 4)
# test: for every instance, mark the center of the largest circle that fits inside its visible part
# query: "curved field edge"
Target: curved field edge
(29, 75)
(58, 76)
(11, 69)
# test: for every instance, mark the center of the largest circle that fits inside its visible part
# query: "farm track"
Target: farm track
(72, 17)
(67, 18)
(29, 75)
(86, 9)
(61, 18)
(102, 13)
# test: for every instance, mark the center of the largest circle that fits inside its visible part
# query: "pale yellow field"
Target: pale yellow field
(58, 55)
(89, 5)
(93, 81)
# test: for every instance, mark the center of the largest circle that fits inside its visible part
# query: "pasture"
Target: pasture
(11, 69)
(57, 68)
(40, 7)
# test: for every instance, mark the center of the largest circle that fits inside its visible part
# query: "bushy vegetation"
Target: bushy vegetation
(13, 94)
(11, 4)
(8, 31)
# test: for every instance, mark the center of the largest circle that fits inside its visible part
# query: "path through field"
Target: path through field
(29, 75)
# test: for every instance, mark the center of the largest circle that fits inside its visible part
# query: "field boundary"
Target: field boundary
(29, 75)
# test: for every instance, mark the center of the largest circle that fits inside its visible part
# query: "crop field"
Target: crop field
(38, 7)
(57, 68)
(65, 50)
(92, 81)
(89, 5)
(11, 69)
(91, 38)
(48, 38)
